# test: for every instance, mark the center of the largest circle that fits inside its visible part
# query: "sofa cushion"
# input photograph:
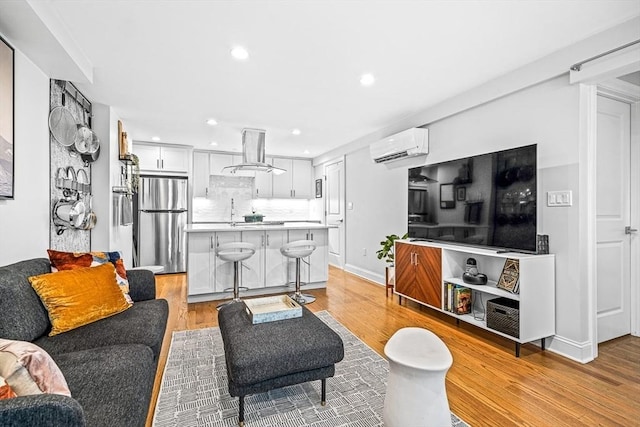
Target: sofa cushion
(75, 298)
(22, 315)
(112, 384)
(143, 323)
(28, 369)
(73, 260)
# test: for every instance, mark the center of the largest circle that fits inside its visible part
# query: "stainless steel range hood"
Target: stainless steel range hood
(253, 153)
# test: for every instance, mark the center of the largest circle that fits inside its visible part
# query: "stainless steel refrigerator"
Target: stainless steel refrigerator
(159, 220)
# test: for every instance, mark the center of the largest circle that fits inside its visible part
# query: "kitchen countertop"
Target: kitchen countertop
(208, 228)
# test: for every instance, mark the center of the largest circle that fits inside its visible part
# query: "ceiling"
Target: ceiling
(165, 66)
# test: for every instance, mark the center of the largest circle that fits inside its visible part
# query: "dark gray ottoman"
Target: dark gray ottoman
(276, 354)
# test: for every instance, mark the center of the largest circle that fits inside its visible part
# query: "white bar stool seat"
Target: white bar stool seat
(416, 394)
(235, 252)
(299, 249)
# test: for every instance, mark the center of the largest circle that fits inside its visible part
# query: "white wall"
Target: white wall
(108, 234)
(546, 114)
(24, 221)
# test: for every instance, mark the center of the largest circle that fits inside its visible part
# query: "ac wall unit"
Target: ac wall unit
(409, 143)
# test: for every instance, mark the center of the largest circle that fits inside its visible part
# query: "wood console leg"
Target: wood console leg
(241, 411)
(323, 399)
(517, 349)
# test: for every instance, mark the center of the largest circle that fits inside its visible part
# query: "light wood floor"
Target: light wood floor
(487, 385)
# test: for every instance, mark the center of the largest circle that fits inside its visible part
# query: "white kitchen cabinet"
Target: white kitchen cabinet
(200, 273)
(200, 175)
(275, 263)
(318, 262)
(223, 276)
(313, 268)
(217, 163)
(295, 183)
(162, 158)
(263, 184)
(253, 268)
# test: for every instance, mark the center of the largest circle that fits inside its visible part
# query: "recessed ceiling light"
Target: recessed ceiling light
(213, 143)
(367, 79)
(296, 131)
(212, 122)
(155, 138)
(240, 53)
(306, 151)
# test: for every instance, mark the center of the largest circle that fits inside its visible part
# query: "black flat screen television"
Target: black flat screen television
(484, 200)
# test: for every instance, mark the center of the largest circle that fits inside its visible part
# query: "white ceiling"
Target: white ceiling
(165, 67)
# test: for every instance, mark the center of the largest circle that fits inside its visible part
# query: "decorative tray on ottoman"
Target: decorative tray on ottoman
(270, 309)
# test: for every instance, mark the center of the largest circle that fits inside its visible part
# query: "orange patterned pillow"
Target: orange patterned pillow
(6, 392)
(78, 297)
(72, 260)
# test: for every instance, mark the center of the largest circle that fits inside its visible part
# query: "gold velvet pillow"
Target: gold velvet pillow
(78, 297)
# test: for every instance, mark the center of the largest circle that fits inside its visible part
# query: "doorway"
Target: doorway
(335, 211)
(617, 209)
(614, 233)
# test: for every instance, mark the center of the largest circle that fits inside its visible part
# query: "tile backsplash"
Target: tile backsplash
(217, 206)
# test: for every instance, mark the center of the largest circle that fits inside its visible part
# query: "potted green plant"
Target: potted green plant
(387, 252)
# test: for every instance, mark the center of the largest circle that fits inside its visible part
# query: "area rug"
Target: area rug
(194, 388)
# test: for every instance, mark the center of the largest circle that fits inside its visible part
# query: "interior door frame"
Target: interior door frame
(587, 154)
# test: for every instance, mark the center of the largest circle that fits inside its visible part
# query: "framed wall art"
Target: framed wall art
(7, 161)
(318, 188)
(461, 194)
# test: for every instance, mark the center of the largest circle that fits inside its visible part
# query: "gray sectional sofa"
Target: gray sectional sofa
(109, 365)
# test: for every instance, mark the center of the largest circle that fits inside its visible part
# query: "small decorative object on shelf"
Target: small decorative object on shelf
(543, 244)
(123, 144)
(510, 277)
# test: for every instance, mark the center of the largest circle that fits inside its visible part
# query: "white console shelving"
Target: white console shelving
(536, 297)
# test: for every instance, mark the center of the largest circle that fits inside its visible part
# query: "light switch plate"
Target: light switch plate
(559, 198)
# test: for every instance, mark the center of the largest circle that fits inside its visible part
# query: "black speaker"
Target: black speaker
(474, 279)
(471, 274)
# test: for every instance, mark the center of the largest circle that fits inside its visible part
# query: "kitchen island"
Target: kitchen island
(266, 272)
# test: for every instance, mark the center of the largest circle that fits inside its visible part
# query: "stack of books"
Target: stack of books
(457, 298)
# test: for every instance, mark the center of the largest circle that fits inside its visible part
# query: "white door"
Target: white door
(335, 206)
(613, 214)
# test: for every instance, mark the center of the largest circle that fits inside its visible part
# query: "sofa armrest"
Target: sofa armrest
(142, 285)
(41, 410)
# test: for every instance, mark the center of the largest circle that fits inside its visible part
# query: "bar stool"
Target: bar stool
(235, 252)
(416, 394)
(299, 249)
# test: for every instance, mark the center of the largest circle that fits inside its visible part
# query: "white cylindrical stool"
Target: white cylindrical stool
(416, 394)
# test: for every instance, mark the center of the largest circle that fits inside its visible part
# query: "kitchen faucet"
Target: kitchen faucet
(232, 213)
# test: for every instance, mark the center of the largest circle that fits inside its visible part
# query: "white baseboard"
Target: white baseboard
(365, 274)
(578, 351)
